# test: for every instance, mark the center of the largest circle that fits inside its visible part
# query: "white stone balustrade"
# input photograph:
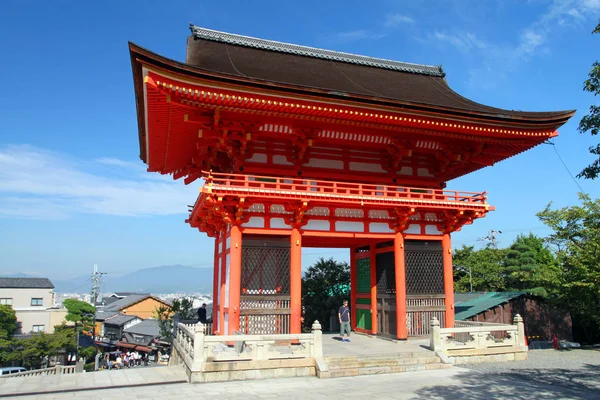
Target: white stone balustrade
(470, 339)
(56, 370)
(195, 348)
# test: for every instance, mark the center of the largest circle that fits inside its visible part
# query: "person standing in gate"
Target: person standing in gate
(202, 314)
(344, 316)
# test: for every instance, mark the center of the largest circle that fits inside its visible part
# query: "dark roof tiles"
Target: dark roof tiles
(120, 319)
(26, 283)
(271, 45)
(147, 327)
(335, 74)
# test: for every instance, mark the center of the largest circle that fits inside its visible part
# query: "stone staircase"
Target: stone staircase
(340, 366)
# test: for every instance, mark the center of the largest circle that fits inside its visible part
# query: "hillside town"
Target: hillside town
(123, 322)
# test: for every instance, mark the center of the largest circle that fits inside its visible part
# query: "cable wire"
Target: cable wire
(566, 168)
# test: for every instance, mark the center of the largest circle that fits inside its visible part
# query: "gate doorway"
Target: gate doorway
(386, 294)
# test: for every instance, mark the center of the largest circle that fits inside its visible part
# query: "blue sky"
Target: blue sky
(73, 191)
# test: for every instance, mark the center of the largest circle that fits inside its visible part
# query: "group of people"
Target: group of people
(126, 360)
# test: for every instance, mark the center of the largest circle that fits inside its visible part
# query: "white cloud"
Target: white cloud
(119, 163)
(393, 20)
(39, 184)
(464, 41)
(360, 34)
(498, 59)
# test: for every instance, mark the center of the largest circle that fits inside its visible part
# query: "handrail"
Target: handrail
(195, 349)
(56, 370)
(320, 188)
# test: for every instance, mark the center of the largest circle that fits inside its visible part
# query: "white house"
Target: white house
(33, 302)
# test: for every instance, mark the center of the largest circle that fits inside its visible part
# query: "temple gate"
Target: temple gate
(302, 147)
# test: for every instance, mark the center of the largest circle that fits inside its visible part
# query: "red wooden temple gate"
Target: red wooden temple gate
(302, 147)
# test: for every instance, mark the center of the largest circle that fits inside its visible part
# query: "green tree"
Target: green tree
(484, 267)
(530, 266)
(164, 315)
(591, 122)
(577, 239)
(81, 313)
(324, 286)
(8, 321)
(185, 308)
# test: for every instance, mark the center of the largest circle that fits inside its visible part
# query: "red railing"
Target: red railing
(342, 192)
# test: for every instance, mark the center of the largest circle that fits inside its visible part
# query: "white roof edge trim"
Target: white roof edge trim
(248, 41)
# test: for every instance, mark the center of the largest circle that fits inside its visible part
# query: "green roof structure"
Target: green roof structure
(467, 305)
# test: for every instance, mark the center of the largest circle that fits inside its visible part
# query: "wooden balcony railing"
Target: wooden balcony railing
(340, 192)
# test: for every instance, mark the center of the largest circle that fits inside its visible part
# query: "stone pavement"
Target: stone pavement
(163, 375)
(370, 345)
(456, 383)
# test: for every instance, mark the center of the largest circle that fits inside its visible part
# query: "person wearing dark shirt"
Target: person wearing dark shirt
(202, 313)
(344, 317)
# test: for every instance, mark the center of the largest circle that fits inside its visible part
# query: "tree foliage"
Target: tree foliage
(530, 266)
(591, 122)
(324, 286)
(81, 313)
(8, 321)
(184, 307)
(577, 239)
(485, 267)
(165, 322)
(32, 350)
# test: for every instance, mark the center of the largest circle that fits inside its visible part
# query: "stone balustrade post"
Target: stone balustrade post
(520, 330)
(198, 355)
(317, 339)
(261, 351)
(57, 369)
(435, 342)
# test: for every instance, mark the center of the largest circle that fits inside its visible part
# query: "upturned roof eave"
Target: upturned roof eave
(190, 71)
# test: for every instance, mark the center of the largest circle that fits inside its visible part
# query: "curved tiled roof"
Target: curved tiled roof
(272, 45)
(340, 75)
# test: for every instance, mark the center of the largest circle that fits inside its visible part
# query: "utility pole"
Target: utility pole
(96, 280)
(492, 239)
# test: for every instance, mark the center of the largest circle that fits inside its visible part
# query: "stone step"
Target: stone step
(339, 373)
(381, 362)
(335, 359)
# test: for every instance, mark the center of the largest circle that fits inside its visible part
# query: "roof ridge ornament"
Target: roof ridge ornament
(272, 45)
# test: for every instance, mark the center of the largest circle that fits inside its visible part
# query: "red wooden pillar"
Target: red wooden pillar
(296, 281)
(448, 280)
(400, 272)
(353, 287)
(224, 250)
(216, 283)
(373, 268)
(235, 278)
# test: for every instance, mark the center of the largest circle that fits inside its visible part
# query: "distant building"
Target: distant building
(114, 326)
(141, 336)
(141, 305)
(33, 302)
(542, 320)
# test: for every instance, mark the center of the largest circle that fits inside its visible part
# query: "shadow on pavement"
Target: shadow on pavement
(521, 384)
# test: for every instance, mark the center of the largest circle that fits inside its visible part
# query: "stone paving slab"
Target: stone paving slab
(370, 345)
(125, 377)
(452, 384)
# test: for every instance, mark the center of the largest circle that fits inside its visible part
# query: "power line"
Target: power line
(566, 168)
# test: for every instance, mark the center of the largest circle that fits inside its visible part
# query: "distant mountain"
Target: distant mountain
(18, 275)
(165, 279)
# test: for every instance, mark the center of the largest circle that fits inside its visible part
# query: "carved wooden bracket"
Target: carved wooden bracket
(402, 218)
